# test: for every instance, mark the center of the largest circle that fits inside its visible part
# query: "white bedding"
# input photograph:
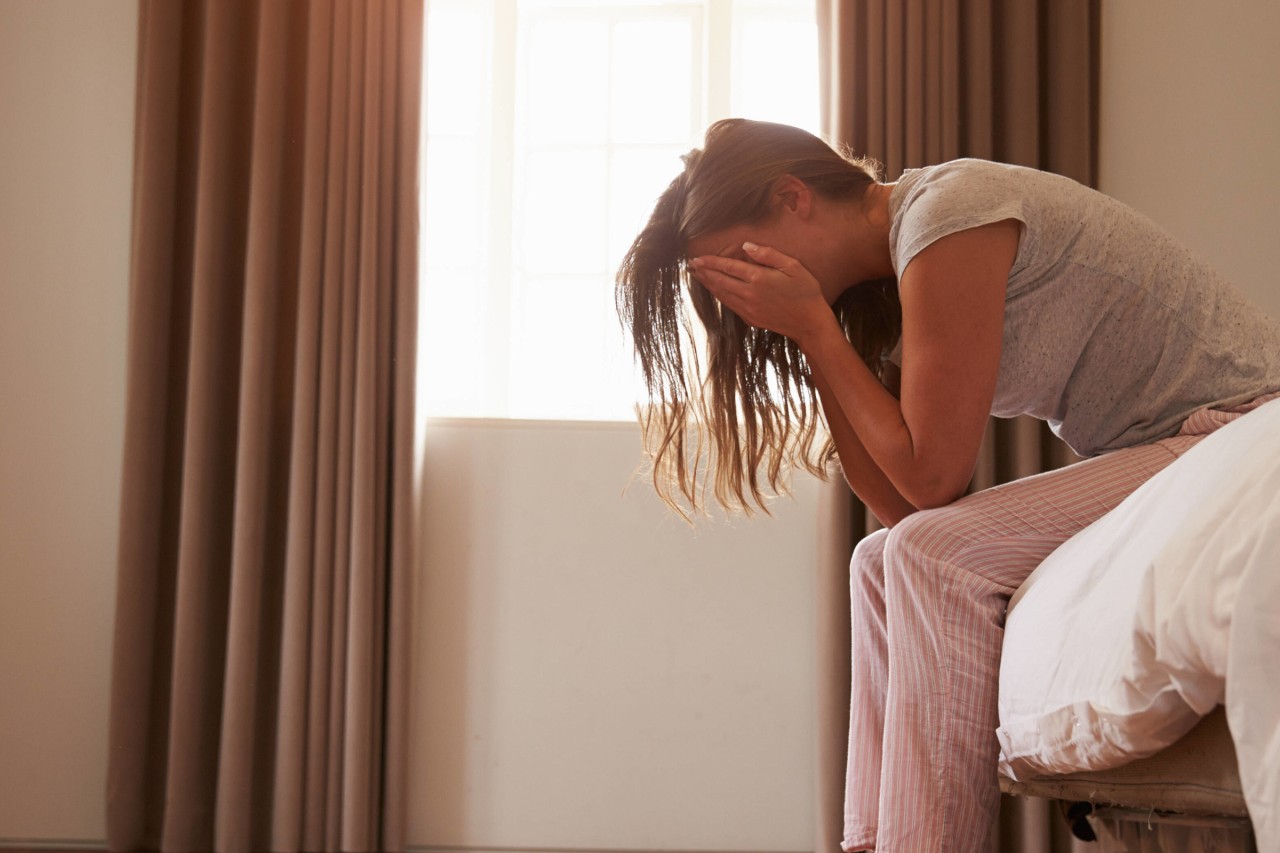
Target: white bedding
(1162, 609)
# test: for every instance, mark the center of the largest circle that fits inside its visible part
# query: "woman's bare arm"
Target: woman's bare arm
(862, 474)
(952, 296)
(953, 319)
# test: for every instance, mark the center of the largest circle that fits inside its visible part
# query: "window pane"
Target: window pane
(454, 334)
(451, 222)
(623, 385)
(653, 81)
(534, 189)
(770, 90)
(568, 81)
(456, 74)
(564, 204)
(556, 365)
(560, 4)
(637, 177)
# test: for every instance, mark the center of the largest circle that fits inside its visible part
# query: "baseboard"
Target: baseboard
(420, 848)
(78, 845)
(51, 845)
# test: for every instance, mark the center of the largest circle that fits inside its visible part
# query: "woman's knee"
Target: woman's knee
(866, 569)
(868, 554)
(867, 574)
(927, 537)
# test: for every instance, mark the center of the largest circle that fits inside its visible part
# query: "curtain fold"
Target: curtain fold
(913, 83)
(266, 533)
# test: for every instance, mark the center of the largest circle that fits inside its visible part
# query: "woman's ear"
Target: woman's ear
(794, 194)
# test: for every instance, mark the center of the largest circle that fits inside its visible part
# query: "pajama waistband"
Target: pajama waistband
(1205, 421)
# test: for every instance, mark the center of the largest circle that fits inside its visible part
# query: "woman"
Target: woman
(907, 313)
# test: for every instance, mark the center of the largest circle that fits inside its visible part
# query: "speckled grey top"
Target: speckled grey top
(1113, 332)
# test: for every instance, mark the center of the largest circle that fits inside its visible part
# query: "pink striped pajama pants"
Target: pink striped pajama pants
(929, 598)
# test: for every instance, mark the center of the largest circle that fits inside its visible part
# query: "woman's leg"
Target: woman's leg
(948, 575)
(931, 667)
(870, 684)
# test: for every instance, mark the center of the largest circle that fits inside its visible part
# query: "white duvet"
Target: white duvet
(1144, 621)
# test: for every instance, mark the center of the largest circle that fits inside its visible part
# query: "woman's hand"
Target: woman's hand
(771, 291)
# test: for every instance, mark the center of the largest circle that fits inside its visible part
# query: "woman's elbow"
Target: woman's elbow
(934, 492)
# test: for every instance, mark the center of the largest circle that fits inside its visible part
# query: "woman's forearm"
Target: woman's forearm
(862, 474)
(875, 418)
(953, 301)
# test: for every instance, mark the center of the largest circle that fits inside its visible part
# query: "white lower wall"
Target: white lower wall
(66, 159)
(593, 673)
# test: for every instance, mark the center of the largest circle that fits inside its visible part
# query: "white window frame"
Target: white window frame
(716, 25)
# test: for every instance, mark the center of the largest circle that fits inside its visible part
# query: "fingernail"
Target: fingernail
(695, 262)
(750, 247)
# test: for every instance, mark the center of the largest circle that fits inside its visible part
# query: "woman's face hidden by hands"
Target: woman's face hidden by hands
(839, 243)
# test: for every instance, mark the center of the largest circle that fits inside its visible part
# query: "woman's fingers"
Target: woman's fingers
(741, 270)
(733, 283)
(770, 290)
(769, 257)
(760, 256)
(706, 273)
(723, 287)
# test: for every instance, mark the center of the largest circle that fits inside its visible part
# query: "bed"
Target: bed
(1140, 676)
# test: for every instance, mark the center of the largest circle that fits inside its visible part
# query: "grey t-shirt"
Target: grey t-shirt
(1113, 331)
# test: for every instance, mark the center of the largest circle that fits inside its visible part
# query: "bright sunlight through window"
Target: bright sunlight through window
(550, 130)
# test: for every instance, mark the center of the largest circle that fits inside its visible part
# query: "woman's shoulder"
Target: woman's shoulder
(969, 176)
(931, 202)
(963, 166)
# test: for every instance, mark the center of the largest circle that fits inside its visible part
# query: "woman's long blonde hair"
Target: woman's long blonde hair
(755, 408)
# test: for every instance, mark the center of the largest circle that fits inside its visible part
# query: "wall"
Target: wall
(66, 145)
(1190, 128)
(591, 672)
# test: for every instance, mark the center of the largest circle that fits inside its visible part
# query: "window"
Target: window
(551, 127)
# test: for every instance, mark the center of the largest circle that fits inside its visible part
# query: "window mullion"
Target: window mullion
(718, 59)
(497, 366)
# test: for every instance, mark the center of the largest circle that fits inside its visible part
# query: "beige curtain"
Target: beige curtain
(259, 672)
(912, 83)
